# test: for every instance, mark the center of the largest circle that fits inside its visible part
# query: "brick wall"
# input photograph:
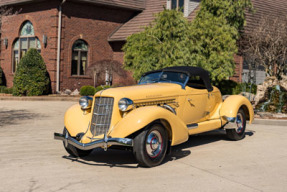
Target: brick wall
(93, 24)
(44, 19)
(238, 69)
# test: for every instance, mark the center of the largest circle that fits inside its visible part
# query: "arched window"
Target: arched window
(26, 40)
(79, 57)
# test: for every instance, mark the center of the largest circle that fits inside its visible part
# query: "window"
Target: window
(22, 44)
(178, 5)
(79, 57)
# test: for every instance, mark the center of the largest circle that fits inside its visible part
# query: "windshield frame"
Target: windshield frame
(160, 75)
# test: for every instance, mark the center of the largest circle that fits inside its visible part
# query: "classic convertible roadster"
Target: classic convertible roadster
(161, 111)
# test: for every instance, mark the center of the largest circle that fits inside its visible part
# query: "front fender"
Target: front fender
(231, 106)
(76, 120)
(141, 117)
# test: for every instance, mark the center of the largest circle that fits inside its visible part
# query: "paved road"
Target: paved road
(30, 160)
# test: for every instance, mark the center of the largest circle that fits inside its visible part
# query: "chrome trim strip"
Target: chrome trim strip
(192, 126)
(95, 144)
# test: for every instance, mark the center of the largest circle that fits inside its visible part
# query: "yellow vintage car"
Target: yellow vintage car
(163, 110)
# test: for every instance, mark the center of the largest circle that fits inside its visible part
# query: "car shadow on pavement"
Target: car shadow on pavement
(110, 158)
(9, 117)
(120, 158)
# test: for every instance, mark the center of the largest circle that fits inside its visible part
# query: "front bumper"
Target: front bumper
(104, 143)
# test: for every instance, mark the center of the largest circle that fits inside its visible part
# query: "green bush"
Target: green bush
(244, 87)
(6, 90)
(225, 86)
(101, 87)
(90, 90)
(31, 78)
(2, 89)
(87, 90)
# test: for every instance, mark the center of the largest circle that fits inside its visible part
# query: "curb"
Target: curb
(40, 98)
(276, 122)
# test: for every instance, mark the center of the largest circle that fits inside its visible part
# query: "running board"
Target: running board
(204, 126)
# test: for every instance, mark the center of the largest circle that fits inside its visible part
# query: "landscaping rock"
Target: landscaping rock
(75, 93)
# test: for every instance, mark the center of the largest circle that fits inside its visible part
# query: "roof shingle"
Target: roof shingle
(143, 19)
(129, 4)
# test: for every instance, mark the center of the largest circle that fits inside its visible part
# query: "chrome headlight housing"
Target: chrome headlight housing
(125, 104)
(86, 102)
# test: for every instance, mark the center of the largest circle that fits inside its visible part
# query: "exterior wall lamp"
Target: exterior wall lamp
(45, 39)
(5, 42)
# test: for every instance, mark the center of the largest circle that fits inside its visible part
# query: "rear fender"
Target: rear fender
(76, 120)
(231, 106)
(141, 117)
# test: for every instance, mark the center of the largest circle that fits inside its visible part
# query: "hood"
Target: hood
(143, 92)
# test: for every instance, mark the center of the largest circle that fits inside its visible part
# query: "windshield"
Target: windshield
(165, 76)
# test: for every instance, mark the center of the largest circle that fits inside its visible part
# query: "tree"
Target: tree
(162, 44)
(210, 41)
(266, 45)
(231, 10)
(31, 78)
(213, 45)
(214, 35)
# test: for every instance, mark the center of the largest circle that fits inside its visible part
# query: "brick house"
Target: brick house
(92, 34)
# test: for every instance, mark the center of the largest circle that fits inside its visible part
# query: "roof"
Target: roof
(143, 19)
(128, 4)
(262, 8)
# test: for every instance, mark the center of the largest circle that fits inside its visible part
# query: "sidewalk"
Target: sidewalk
(40, 98)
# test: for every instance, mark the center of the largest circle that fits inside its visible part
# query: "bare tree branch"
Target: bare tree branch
(267, 45)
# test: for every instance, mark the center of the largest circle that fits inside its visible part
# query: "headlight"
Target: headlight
(86, 102)
(125, 104)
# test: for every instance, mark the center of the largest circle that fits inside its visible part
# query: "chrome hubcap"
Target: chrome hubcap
(154, 144)
(239, 123)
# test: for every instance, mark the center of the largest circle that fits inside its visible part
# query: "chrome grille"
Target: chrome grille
(102, 115)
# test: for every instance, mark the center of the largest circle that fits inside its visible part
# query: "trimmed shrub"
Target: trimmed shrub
(87, 90)
(90, 90)
(101, 87)
(31, 78)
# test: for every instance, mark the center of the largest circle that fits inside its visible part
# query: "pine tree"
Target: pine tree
(31, 78)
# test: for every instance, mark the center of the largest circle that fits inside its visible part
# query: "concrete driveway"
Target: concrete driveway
(30, 160)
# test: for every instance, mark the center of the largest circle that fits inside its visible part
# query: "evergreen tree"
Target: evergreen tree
(213, 45)
(214, 35)
(31, 78)
(209, 41)
(164, 43)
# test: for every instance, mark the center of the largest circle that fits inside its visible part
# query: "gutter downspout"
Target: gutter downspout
(59, 47)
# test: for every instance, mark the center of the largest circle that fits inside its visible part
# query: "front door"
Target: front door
(195, 108)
